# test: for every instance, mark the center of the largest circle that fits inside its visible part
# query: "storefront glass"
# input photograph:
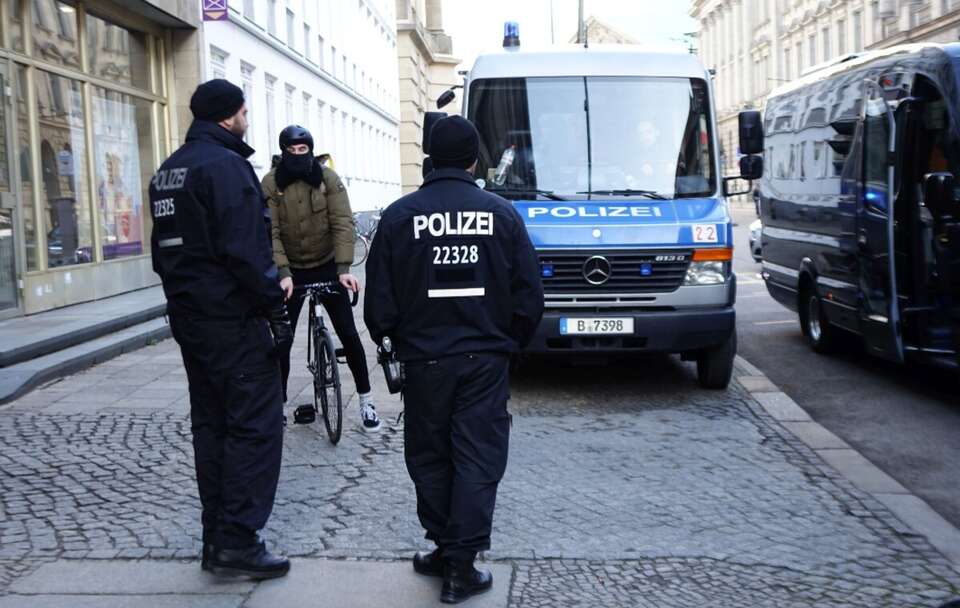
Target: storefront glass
(123, 159)
(15, 25)
(55, 33)
(63, 154)
(117, 54)
(25, 161)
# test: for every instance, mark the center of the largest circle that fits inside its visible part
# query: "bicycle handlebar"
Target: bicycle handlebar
(326, 288)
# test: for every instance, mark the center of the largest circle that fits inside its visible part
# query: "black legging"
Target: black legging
(341, 317)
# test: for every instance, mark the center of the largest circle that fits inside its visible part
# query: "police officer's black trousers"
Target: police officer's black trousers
(456, 433)
(237, 422)
(341, 317)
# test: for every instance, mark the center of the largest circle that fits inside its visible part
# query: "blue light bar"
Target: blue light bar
(546, 271)
(511, 35)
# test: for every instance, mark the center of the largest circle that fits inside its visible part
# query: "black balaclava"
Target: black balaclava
(297, 165)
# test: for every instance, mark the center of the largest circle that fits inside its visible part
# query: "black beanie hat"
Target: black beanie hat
(216, 100)
(454, 142)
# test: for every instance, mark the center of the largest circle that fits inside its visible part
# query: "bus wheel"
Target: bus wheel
(715, 365)
(820, 334)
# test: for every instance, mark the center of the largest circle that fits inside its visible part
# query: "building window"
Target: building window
(857, 31)
(333, 61)
(272, 17)
(246, 75)
(841, 37)
(305, 118)
(218, 63)
(825, 34)
(271, 112)
(289, 105)
(786, 64)
(799, 50)
(343, 75)
(307, 41)
(319, 138)
(291, 42)
(812, 48)
(320, 54)
(248, 10)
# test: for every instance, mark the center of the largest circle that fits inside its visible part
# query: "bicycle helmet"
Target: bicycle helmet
(295, 134)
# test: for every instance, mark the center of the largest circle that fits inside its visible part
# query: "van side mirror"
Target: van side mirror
(445, 98)
(938, 192)
(751, 167)
(751, 132)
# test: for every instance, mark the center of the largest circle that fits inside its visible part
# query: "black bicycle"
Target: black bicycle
(322, 361)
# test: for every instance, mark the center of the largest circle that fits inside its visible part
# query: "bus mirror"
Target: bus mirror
(840, 146)
(751, 132)
(751, 167)
(445, 98)
(938, 193)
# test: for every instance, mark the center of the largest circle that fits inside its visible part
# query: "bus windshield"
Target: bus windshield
(582, 136)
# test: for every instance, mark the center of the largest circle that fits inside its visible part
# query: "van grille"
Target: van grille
(666, 271)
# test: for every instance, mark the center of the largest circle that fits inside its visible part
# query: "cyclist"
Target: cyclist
(313, 235)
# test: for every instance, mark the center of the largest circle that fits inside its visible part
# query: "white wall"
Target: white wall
(353, 113)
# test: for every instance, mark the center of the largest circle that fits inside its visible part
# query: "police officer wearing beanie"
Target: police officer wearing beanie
(453, 281)
(211, 248)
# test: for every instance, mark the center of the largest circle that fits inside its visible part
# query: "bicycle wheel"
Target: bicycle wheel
(361, 247)
(327, 390)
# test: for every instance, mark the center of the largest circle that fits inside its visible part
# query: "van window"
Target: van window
(876, 141)
(573, 134)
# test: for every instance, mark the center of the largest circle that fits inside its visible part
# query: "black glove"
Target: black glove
(280, 328)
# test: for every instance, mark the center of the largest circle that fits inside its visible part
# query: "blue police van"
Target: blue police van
(610, 155)
(861, 222)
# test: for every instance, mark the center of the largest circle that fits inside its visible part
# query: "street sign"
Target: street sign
(214, 10)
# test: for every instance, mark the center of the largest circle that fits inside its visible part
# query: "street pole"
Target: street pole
(552, 41)
(581, 35)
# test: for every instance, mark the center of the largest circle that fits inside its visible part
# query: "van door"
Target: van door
(879, 311)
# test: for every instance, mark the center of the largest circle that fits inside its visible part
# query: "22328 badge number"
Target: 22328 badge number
(456, 254)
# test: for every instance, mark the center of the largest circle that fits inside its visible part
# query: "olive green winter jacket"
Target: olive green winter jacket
(312, 221)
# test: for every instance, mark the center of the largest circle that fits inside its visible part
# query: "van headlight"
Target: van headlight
(707, 273)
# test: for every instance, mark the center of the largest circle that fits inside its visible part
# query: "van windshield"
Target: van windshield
(623, 136)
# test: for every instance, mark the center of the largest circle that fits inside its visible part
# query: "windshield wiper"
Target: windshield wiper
(628, 192)
(528, 191)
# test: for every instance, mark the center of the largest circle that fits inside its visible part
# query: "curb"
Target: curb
(914, 512)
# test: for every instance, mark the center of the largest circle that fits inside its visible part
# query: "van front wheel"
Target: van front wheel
(715, 365)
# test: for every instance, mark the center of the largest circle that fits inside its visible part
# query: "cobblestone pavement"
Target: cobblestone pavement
(627, 486)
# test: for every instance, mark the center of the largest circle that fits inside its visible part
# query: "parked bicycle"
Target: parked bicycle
(322, 361)
(363, 237)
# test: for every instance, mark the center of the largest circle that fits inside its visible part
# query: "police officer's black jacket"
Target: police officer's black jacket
(452, 270)
(211, 233)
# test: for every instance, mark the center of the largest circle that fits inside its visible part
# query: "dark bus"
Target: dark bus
(861, 219)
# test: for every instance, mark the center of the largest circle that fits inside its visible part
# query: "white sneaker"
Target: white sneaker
(370, 421)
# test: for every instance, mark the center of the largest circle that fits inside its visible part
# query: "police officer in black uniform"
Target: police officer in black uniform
(211, 248)
(453, 281)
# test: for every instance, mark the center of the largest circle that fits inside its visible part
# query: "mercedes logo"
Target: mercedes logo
(597, 270)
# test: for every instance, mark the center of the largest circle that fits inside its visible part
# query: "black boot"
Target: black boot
(428, 564)
(462, 581)
(254, 562)
(205, 556)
